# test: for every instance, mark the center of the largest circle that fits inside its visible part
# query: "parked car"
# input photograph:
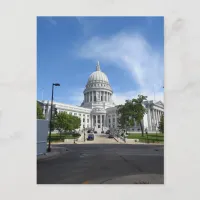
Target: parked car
(108, 132)
(90, 137)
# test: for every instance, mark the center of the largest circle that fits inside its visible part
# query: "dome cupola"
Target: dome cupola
(98, 76)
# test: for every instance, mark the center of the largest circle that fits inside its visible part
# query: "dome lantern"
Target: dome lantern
(98, 66)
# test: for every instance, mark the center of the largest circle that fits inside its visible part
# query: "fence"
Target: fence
(42, 133)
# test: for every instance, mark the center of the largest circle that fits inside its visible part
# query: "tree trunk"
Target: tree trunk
(142, 129)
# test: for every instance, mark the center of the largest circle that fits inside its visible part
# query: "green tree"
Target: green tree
(139, 110)
(60, 122)
(125, 119)
(161, 124)
(39, 112)
(132, 110)
(64, 122)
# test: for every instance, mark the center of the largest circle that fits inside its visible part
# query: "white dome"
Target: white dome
(98, 76)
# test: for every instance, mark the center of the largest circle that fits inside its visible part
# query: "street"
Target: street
(100, 162)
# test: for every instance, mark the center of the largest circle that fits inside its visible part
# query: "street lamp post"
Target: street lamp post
(49, 146)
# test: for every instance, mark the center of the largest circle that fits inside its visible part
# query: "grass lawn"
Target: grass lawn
(55, 137)
(152, 137)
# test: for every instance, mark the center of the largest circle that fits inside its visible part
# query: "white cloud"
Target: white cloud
(119, 98)
(131, 52)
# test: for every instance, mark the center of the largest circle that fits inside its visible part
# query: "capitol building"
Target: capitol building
(98, 110)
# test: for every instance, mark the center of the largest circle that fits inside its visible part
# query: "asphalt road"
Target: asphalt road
(86, 162)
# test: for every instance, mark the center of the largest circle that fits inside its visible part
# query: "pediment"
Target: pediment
(159, 103)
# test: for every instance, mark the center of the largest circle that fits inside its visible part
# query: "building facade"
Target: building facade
(98, 110)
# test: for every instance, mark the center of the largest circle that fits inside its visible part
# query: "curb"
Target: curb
(52, 154)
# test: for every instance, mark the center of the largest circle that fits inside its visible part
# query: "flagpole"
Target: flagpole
(42, 94)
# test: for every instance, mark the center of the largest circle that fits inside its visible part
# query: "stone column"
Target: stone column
(44, 110)
(153, 117)
(100, 121)
(149, 119)
(156, 117)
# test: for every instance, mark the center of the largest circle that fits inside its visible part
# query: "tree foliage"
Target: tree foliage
(39, 112)
(125, 119)
(161, 124)
(64, 122)
(139, 110)
(132, 111)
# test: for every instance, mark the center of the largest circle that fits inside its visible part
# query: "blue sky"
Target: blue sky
(130, 51)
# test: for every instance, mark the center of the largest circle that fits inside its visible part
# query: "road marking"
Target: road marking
(85, 182)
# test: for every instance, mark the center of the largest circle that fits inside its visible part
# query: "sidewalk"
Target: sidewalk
(55, 151)
(131, 179)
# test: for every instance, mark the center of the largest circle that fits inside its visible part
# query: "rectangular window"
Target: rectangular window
(91, 98)
(101, 98)
(87, 120)
(113, 119)
(70, 113)
(95, 98)
(83, 119)
(109, 120)
(79, 114)
(75, 114)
